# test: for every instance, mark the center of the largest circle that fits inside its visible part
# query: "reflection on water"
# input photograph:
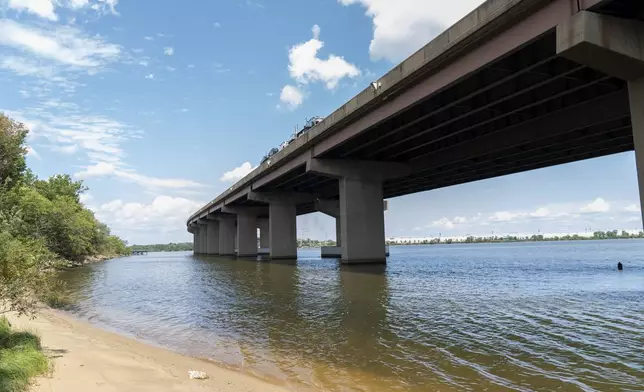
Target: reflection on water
(546, 316)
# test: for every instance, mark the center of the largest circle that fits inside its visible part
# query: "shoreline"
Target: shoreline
(86, 358)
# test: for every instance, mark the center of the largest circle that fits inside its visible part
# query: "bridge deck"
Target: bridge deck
(494, 99)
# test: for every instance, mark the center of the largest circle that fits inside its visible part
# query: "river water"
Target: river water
(494, 317)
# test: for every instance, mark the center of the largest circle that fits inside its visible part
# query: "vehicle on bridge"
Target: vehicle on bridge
(310, 123)
(272, 152)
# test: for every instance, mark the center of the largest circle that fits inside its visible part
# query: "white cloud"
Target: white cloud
(46, 8)
(33, 153)
(149, 76)
(305, 66)
(503, 216)
(540, 213)
(598, 205)
(443, 223)
(148, 38)
(291, 96)
(42, 8)
(404, 26)
(144, 63)
(25, 67)
(156, 183)
(171, 69)
(86, 198)
(191, 65)
(632, 208)
(183, 110)
(63, 44)
(66, 149)
(78, 3)
(237, 173)
(134, 221)
(102, 169)
(217, 25)
(168, 51)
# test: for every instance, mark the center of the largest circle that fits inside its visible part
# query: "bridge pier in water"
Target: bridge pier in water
(615, 46)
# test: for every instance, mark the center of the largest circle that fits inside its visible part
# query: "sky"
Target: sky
(160, 106)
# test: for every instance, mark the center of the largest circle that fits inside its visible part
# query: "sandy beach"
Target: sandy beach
(88, 359)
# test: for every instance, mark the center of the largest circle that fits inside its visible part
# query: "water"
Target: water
(495, 317)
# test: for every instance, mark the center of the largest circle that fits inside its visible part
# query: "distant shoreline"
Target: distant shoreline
(596, 236)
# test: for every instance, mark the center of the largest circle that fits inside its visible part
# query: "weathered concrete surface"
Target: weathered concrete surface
(227, 236)
(213, 238)
(283, 232)
(363, 221)
(246, 235)
(636, 94)
(609, 44)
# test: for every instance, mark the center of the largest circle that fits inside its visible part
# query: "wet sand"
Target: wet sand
(89, 359)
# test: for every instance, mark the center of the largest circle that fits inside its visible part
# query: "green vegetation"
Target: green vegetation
(21, 358)
(43, 225)
(309, 243)
(598, 235)
(171, 247)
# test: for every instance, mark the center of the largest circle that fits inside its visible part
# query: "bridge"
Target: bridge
(515, 85)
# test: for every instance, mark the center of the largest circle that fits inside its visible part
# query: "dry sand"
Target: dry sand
(88, 359)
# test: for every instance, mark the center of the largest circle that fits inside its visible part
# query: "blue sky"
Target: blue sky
(160, 106)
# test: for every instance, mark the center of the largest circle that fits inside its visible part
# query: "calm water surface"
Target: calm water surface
(532, 316)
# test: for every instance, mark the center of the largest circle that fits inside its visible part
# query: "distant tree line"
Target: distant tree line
(309, 243)
(598, 235)
(171, 247)
(43, 224)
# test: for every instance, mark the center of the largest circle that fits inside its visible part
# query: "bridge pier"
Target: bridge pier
(246, 235)
(361, 212)
(226, 235)
(203, 237)
(282, 223)
(212, 242)
(195, 237)
(362, 221)
(636, 95)
(613, 45)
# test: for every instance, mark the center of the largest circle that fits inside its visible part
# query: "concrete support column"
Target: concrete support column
(227, 236)
(195, 240)
(246, 235)
(264, 236)
(636, 97)
(362, 221)
(283, 231)
(338, 231)
(212, 242)
(612, 45)
(203, 238)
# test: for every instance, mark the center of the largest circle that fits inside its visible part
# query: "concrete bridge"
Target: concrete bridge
(516, 85)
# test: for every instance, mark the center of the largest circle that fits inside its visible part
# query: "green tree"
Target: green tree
(60, 185)
(42, 224)
(12, 150)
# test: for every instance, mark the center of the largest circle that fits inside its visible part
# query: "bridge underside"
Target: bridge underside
(529, 110)
(528, 98)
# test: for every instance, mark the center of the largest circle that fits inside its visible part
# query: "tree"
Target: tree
(42, 223)
(12, 150)
(60, 185)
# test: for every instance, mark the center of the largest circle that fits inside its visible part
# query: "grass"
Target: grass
(21, 358)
